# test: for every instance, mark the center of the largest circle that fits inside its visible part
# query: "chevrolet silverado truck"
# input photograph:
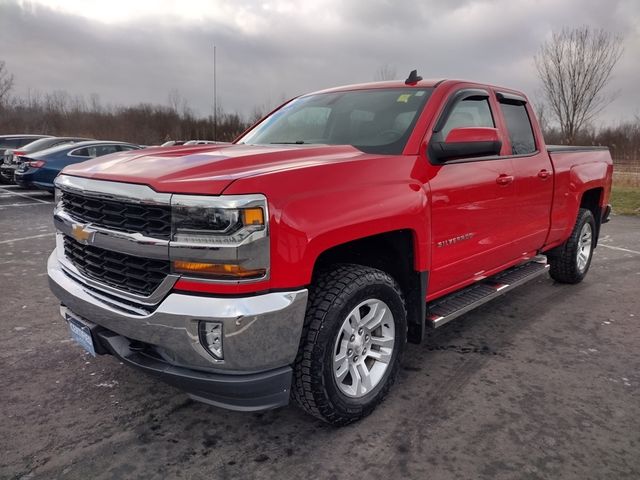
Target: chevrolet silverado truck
(297, 262)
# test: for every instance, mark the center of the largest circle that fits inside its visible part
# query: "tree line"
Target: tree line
(61, 114)
(623, 140)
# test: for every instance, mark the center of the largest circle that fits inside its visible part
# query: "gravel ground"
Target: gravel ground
(542, 383)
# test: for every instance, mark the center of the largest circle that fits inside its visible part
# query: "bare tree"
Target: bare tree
(575, 66)
(176, 102)
(540, 107)
(385, 72)
(6, 83)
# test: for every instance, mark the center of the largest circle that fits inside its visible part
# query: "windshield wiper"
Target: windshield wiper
(297, 142)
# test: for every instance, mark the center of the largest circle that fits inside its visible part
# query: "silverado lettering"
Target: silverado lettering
(459, 238)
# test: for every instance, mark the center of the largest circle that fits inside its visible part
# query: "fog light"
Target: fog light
(211, 338)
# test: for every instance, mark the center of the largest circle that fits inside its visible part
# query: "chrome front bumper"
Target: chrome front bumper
(260, 332)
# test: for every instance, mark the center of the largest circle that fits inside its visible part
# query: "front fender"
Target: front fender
(320, 207)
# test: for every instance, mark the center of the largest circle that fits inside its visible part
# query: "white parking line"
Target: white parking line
(34, 193)
(26, 238)
(618, 248)
(23, 204)
(23, 195)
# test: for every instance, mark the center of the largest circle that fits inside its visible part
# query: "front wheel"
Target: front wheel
(354, 336)
(571, 261)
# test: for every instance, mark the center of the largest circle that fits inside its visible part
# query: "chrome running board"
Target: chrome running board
(451, 306)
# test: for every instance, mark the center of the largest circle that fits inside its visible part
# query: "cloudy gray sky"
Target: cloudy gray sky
(130, 51)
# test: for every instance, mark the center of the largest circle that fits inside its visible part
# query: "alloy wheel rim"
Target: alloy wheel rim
(363, 348)
(584, 247)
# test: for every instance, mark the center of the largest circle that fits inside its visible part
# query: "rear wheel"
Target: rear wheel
(571, 261)
(354, 336)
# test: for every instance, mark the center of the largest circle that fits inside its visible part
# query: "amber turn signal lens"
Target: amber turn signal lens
(226, 270)
(252, 216)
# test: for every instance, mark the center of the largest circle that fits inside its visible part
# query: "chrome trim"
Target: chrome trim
(100, 144)
(124, 242)
(226, 201)
(504, 285)
(71, 154)
(156, 296)
(260, 332)
(126, 192)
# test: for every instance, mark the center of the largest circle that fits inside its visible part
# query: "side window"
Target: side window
(519, 127)
(80, 152)
(100, 150)
(126, 148)
(470, 112)
(14, 143)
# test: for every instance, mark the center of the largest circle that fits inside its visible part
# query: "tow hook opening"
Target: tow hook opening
(211, 338)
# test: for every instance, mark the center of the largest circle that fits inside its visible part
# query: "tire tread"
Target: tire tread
(331, 290)
(564, 268)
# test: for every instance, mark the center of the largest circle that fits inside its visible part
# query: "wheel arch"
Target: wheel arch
(393, 252)
(591, 199)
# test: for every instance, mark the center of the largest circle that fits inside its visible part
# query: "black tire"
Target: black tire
(334, 294)
(564, 259)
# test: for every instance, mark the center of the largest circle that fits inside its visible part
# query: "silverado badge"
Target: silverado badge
(451, 241)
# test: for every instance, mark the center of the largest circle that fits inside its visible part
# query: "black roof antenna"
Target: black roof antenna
(413, 78)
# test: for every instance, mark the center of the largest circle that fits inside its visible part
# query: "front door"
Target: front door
(471, 208)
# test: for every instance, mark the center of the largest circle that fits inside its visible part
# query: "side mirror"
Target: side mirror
(466, 142)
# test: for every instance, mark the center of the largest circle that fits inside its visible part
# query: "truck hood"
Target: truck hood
(206, 169)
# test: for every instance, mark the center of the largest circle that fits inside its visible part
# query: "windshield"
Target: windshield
(374, 121)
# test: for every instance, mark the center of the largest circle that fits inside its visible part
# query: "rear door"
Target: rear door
(471, 204)
(533, 176)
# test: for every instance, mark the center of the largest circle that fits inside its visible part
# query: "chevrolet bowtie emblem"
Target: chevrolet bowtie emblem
(81, 233)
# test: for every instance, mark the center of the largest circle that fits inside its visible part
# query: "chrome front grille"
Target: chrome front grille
(137, 275)
(149, 220)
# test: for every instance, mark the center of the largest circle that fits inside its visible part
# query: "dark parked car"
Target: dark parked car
(12, 155)
(40, 169)
(16, 141)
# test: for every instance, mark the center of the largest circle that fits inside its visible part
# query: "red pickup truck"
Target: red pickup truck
(299, 260)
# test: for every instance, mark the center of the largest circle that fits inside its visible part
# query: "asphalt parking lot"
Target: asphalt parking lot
(542, 383)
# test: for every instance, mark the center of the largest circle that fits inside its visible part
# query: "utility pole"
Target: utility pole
(215, 97)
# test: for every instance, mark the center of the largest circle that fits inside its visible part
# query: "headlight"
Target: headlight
(223, 238)
(200, 224)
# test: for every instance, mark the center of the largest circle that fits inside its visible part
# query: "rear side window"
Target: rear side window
(519, 127)
(100, 150)
(470, 112)
(80, 152)
(14, 142)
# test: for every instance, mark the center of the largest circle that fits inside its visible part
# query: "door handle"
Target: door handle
(544, 174)
(504, 179)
